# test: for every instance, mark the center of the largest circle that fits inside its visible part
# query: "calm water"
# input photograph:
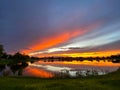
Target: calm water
(72, 69)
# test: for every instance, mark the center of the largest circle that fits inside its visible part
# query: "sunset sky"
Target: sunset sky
(60, 27)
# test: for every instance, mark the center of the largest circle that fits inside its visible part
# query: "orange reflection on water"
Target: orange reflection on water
(85, 62)
(93, 63)
(32, 71)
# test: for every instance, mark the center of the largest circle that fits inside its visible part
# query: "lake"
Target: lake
(69, 68)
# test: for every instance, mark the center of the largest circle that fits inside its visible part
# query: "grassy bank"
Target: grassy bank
(107, 82)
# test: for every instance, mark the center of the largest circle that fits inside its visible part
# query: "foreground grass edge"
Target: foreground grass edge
(106, 82)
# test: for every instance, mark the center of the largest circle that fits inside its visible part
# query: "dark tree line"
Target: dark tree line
(1, 50)
(16, 58)
(16, 62)
(113, 58)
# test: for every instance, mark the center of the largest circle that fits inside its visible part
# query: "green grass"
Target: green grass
(106, 82)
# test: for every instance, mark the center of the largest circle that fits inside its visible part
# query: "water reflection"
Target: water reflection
(37, 72)
(51, 68)
(93, 63)
(12, 69)
(60, 68)
(75, 68)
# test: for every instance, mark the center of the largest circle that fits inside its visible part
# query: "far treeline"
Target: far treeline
(112, 58)
(16, 58)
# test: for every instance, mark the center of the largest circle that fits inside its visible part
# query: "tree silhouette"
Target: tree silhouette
(1, 50)
(19, 58)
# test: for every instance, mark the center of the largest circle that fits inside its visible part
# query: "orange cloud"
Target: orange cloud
(54, 40)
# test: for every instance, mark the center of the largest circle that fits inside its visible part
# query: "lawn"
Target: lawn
(106, 82)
